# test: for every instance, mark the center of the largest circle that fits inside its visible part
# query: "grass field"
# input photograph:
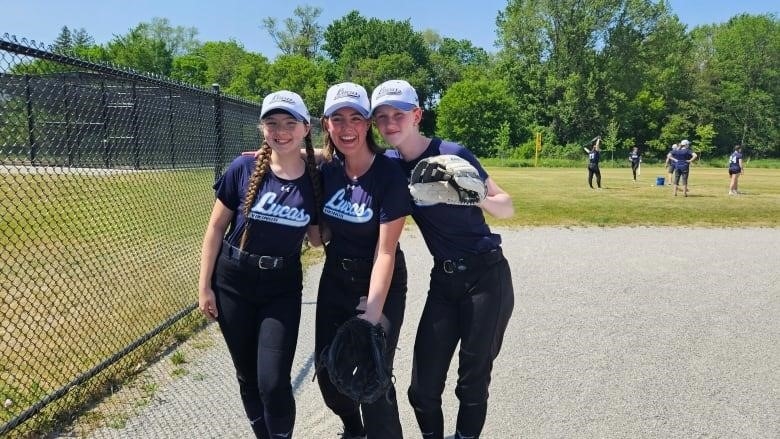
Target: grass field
(561, 196)
(91, 262)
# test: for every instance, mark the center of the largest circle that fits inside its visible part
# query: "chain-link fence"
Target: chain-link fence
(105, 191)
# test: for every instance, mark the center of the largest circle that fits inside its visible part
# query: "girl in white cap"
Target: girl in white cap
(470, 298)
(682, 158)
(250, 270)
(366, 204)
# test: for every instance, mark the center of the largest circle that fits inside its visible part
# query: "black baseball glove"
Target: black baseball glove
(355, 361)
(446, 179)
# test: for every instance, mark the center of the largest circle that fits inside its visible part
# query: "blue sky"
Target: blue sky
(41, 20)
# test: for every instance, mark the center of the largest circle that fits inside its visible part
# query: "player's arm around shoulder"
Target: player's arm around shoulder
(497, 203)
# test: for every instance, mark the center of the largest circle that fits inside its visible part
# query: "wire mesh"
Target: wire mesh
(105, 191)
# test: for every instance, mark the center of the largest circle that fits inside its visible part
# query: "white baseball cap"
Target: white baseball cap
(287, 101)
(685, 142)
(396, 93)
(347, 94)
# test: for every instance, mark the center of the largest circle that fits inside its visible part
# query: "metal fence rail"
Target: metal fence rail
(105, 190)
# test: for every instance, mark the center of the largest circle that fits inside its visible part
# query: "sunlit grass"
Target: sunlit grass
(561, 196)
(89, 264)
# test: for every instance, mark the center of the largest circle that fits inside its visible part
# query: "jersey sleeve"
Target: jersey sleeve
(228, 188)
(397, 202)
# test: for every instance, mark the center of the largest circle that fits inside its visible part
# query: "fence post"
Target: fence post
(106, 141)
(68, 132)
(30, 121)
(170, 129)
(201, 144)
(219, 146)
(136, 150)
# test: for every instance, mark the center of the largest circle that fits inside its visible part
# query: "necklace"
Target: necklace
(371, 162)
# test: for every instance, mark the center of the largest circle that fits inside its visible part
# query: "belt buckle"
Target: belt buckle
(451, 266)
(262, 262)
(347, 264)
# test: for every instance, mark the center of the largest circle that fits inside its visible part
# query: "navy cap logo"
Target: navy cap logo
(282, 98)
(386, 91)
(347, 93)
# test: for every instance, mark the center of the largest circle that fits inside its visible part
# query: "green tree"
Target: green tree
(453, 60)
(746, 69)
(503, 146)
(190, 68)
(706, 134)
(64, 41)
(179, 40)
(305, 76)
(472, 112)
(247, 78)
(612, 141)
(302, 35)
(136, 49)
(81, 38)
(353, 38)
(676, 128)
(77, 40)
(575, 65)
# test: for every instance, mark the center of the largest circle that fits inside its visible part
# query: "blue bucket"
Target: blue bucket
(659, 181)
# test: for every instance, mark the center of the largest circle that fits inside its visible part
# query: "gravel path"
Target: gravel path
(619, 332)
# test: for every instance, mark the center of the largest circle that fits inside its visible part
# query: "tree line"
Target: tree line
(628, 70)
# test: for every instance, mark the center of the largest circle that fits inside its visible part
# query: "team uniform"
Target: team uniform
(635, 158)
(681, 166)
(353, 211)
(734, 159)
(258, 290)
(470, 301)
(593, 168)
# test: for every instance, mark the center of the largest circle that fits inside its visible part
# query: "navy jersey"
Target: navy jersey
(354, 209)
(450, 232)
(634, 157)
(734, 159)
(594, 157)
(279, 216)
(682, 155)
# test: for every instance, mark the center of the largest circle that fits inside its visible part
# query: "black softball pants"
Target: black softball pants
(594, 170)
(259, 315)
(469, 302)
(342, 284)
(634, 167)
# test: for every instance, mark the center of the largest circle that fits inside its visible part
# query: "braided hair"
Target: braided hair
(314, 176)
(261, 166)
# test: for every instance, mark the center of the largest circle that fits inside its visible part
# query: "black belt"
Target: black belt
(261, 262)
(472, 262)
(355, 264)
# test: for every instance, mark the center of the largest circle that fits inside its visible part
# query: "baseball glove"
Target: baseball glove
(446, 179)
(355, 361)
